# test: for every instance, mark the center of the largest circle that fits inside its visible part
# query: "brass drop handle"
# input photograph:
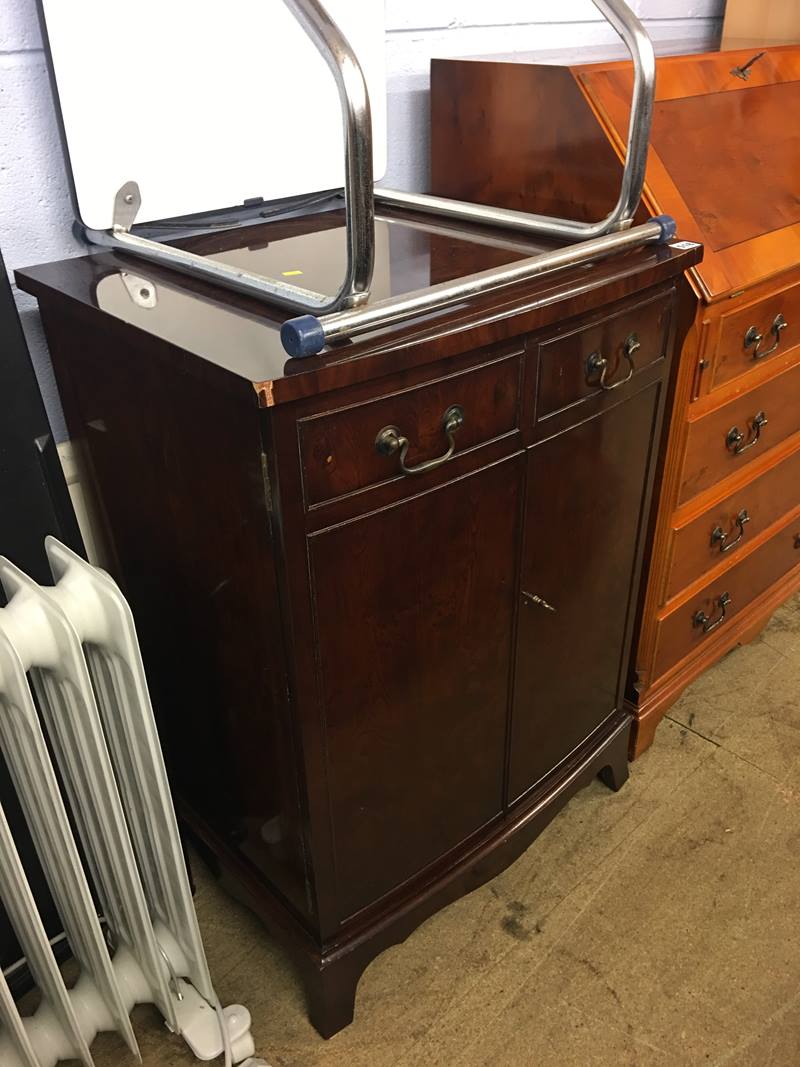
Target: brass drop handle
(597, 362)
(707, 622)
(754, 338)
(734, 437)
(390, 440)
(719, 537)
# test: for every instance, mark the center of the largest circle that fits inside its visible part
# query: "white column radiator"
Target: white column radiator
(74, 647)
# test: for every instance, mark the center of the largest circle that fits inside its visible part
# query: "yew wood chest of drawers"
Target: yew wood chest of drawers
(725, 162)
(385, 595)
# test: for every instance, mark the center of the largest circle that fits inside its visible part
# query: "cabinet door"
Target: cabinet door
(586, 488)
(414, 607)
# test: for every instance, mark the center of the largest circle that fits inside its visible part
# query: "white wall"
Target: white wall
(35, 212)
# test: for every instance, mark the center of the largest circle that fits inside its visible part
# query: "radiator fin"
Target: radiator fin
(24, 917)
(14, 1033)
(74, 648)
(66, 698)
(115, 662)
(35, 781)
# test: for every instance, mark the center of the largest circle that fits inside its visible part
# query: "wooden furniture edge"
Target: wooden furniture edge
(604, 754)
(743, 629)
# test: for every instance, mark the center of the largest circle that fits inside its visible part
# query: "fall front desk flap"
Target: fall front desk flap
(724, 155)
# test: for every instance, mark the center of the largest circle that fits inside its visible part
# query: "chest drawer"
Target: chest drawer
(727, 439)
(601, 355)
(762, 329)
(686, 627)
(409, 431)
(724, 529)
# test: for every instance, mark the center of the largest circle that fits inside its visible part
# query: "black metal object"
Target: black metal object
(743, 72)
(735, 440)
(719, 537)
(753, 337)
(390, 440)
(597, 363)
(34, 502)
(708, 622)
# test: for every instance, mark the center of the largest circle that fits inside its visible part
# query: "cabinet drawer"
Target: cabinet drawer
(340, 452)
(725, 528)
(601, 354)
(723, 441)
(765, 328)
(686, 627)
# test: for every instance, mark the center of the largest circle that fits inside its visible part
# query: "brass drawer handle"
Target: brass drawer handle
(735, 437)
(709, 624)
(390, 440)
(718, 536)
(753, 337)
(597, 362)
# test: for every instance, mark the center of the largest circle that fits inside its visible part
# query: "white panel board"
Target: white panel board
(204, 104)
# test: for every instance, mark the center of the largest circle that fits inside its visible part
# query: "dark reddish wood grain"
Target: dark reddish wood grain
(480, 109)
(565, 375)
(333, 646)
(241, 335)
(338, 447)
(414, 675)
(587, 489)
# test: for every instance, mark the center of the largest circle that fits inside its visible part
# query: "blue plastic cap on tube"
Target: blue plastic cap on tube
(303, 336)
(669, 227)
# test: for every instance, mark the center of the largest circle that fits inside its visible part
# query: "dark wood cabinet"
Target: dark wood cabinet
(414, 674)
(367, 711)
(585, 497)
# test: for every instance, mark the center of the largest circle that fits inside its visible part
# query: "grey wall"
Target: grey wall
(35, 213)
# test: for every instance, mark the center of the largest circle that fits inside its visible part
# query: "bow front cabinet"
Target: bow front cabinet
(385, 595)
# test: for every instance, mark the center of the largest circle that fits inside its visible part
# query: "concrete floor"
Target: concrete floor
(656, 926)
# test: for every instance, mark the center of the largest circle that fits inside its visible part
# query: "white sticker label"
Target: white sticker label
(683, 245)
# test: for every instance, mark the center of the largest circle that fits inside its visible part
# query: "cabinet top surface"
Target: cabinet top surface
(241, 335)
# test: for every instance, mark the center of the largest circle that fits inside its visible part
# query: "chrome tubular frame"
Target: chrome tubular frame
(359, 203)
(349, 312)
(307, 334)
(640, 47)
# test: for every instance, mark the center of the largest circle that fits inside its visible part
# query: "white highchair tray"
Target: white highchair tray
(203, 104)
